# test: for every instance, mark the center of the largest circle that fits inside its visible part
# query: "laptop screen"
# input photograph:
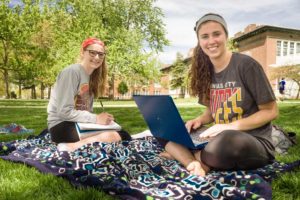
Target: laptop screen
(163, 118)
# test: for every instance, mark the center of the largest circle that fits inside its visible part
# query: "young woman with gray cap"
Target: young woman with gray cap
(239, 102)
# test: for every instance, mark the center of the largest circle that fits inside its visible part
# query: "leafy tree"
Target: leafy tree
(17, 26)
(179, 74)
(126, 61)
(43, 42)
(291, 72)
(2, 87)
(8, 20)
(125, 27)
(231, 45)
(122, 88)
(39, 38)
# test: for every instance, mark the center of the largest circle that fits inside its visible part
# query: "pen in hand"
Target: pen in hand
(101, 105)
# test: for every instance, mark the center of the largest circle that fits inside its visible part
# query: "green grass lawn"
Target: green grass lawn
(18, 181)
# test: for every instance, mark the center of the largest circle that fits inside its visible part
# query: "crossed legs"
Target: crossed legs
(100, 137)
(68, 139)
(230, 150)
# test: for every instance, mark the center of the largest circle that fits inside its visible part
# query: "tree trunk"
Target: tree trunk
(111, 94)
(42, 90)
(49, 92)
(113, 86)
(6, 83)
(20, 90)
(33, 92)
(182, 92)
(298, 93)
(5, 71)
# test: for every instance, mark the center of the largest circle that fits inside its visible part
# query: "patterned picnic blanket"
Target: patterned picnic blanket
(133, 170)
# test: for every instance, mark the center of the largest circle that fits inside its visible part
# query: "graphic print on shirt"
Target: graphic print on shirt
(82, 99)
(224, 102)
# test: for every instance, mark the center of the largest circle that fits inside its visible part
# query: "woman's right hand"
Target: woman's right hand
(104, 118)
(193, 124)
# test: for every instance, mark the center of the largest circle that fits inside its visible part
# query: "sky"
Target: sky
(181, 16)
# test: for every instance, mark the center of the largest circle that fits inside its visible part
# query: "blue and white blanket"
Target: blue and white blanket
(133, 170)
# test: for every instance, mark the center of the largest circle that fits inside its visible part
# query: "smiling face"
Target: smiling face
(92, 57)
(212, 39)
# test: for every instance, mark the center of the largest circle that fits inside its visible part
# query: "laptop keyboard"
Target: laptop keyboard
(195, 136)
(197, 140)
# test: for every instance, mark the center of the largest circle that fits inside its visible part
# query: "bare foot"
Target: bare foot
(197, 155)
(195, 168)
(70, 147)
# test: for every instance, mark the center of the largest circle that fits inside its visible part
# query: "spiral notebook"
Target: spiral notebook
(91, 127)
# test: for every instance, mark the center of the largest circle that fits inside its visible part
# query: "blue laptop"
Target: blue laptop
(164, 120)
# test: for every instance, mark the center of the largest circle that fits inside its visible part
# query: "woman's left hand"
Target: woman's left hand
(216, 129)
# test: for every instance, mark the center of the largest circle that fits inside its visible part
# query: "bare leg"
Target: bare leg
(166, 155)
(101, 137)
(185, 157)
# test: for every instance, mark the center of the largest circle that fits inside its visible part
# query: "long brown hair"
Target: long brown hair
(200, 74)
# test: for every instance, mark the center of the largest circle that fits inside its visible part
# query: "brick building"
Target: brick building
(271, 46)
(149, 88)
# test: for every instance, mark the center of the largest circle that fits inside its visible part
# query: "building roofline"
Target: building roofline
(265, 28)
(185, 60)
(165, 67)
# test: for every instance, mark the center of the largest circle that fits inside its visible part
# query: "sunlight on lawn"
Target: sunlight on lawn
(32, 114)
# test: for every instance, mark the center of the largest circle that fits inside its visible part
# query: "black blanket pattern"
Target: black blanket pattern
(133, 170)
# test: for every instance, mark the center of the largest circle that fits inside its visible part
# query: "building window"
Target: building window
(285, 48)
(292, 47)
(298, 48)
(278, 53)
(287, 52)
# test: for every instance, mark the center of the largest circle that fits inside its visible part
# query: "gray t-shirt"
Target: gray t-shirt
(70, 99)
(236, 93)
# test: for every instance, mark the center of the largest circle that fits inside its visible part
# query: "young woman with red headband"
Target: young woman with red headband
(239, 102)
(72, 97)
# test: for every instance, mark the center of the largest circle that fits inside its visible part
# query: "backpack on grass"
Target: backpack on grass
(282, 140)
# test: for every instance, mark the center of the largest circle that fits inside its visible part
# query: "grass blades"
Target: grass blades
(18, 181)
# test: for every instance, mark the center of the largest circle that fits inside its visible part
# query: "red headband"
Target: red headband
(90, 41)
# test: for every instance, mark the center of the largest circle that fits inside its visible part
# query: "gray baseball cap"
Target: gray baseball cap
(211, 17)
